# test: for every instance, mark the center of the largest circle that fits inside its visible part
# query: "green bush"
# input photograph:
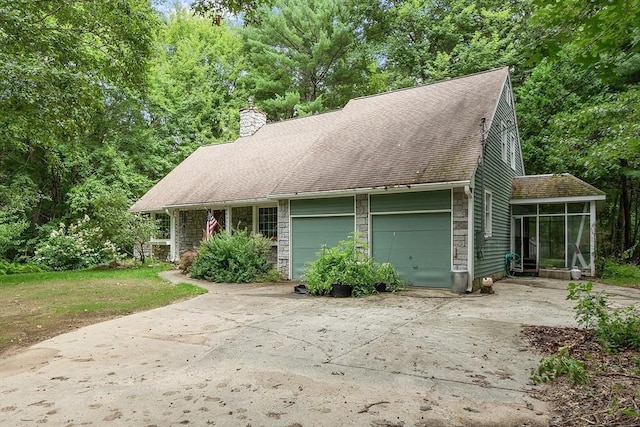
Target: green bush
(560, 364)
(348, 264)
(615, 329)
(621, 274)
(17, 268)
(76, 246)
(232, 258)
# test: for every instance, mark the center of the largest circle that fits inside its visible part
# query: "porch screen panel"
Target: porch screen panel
(578, 247)
(552, 242)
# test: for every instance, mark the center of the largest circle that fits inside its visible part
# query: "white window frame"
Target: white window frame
(167, 219)
(512, 147)
(275, 230)
(504, 141)
(488, 213)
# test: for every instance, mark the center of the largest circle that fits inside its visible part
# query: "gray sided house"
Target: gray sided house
(431, 177)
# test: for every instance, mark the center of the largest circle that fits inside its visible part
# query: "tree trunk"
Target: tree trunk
(625, 205)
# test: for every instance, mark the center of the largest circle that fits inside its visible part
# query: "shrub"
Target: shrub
(76, 246)
(347, 264)
(232, 258)
(186, 260)
(273, 275)
(615, 329)
(17, 268)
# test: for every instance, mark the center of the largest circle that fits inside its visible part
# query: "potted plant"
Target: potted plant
(387, 279)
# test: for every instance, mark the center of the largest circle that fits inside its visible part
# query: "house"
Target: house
(432, 177)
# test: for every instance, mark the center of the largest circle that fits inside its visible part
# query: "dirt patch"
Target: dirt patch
(610, 398)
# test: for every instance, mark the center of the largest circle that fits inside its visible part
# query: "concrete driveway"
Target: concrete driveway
(254, 355)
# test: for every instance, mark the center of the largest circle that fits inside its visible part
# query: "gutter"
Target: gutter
(403, 188)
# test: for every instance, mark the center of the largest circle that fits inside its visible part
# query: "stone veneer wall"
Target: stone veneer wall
(460, 229)
(362, 216)
(283, 238)
(242, 218)
(191, 226)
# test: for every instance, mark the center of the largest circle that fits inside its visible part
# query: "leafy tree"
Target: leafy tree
(427, 40)
(60, 63)
(552, 87)
(605, 32)
(305, 57)
(196, 91)
(601, 142)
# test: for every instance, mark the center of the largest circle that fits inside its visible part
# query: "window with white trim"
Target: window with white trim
(488, 213)
(512, 148)
(268, 222)
(504, 141)
(163, 222)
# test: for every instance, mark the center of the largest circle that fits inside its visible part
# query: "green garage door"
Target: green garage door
(418, 244)
(309, 234)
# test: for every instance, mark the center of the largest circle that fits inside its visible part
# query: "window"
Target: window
(504, 141)
(507, 95)
(488, 213)
(512, 147)
(164, 226)
(268, 222)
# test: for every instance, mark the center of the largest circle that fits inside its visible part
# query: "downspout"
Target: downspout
(470, 252)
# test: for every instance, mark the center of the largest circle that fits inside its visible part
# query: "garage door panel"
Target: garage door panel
(309, 234)
(419, 245)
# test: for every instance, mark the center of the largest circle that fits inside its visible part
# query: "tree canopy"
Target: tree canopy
(99, 99)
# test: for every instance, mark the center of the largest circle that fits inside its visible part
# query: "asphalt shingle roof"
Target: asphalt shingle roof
(426, 134)
(552, 186)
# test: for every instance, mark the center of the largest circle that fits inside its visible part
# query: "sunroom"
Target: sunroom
(553, 223)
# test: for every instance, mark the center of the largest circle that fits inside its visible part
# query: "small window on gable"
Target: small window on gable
(488, 213)
(507, 95)
(504, 141)
(268, 222)
(512, 148)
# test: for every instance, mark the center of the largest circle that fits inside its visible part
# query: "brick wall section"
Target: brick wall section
(283, 238)
(242, 218)
(460, 229)
(362, 216)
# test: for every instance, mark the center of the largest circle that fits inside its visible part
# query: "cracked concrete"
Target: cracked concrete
(261, 355)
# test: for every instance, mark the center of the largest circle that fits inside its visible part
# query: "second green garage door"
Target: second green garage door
(417, 243)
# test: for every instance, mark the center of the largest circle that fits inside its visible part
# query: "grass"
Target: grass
(620, 274)
(38, 306)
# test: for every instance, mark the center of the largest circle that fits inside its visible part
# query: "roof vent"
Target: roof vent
(251, 119)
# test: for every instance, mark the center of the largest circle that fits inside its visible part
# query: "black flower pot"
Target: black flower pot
(381, 287)
(340, 290)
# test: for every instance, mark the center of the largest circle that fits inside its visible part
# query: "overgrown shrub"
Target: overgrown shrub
(77, 246)
(186, 260)
(348, 264)
(615, 329)
(232, 258)
(273, 275)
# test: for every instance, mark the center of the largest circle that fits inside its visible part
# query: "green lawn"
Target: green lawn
(37, 306)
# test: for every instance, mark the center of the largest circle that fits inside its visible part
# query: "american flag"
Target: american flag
(212, 224)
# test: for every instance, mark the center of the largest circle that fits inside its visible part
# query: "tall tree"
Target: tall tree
(427, 40)
(306, 56)
(605, 33)
(59, 62)
(196, 89)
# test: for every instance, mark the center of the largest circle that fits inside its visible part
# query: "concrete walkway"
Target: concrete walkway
(261, 355)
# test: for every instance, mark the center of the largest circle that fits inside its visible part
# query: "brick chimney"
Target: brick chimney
(251, 119)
